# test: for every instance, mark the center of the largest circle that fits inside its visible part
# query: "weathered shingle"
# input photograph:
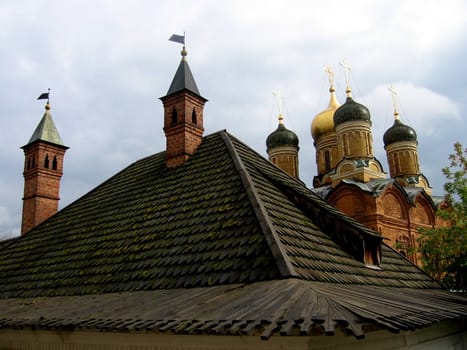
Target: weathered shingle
(285, 307)
(145, 228)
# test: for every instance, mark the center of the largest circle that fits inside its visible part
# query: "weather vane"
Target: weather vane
(45, 96)
(394, 101)
(181, 40)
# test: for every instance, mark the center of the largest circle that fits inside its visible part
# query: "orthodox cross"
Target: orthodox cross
(394, 101)
(346, 68)
(280, 102)
(330, 75)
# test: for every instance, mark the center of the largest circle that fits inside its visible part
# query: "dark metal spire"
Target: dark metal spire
(183, 78)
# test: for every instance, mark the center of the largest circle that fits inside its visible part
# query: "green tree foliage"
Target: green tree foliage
(444, 249)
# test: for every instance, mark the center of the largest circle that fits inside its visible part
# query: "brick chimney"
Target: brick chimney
(43, 170)
(183, 116)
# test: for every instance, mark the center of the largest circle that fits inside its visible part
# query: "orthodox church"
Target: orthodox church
(352, 179)
(208, 245)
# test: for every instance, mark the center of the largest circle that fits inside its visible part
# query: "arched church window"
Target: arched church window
(194, 118)
(174, 116)
(55, 163)
(46, 162)
(327, 160)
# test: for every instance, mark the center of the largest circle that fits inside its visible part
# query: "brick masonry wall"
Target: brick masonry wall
(41, 183)
(185, 134)
(389, 214)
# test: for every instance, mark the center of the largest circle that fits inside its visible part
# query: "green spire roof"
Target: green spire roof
(46, 130)
(183, 78)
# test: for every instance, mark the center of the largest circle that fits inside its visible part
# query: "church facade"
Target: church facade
(351, 178)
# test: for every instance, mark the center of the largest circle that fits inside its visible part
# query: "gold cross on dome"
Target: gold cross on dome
(394, 101)
(347, 68)
(331, 75)
(280, 102)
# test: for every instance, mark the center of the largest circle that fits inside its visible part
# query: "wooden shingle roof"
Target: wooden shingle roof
(226, 220)
(277, 307)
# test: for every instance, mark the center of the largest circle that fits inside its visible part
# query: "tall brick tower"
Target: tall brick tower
(43, 169)
(183, 116)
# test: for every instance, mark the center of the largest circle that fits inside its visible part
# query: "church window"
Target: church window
(174, 116)
(403, 245)
(194, 117)
(46, 162)
(327, 160)
(55, 163)
(397, 164)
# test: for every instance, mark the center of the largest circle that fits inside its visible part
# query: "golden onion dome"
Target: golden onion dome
(323, 123)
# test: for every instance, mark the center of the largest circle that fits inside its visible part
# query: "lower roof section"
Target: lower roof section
(278, 307)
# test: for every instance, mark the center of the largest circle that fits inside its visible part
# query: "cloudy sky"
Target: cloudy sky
(108, 62)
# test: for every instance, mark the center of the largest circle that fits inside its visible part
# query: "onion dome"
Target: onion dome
(399, 132)
(281, 137)
(323, 123)
(351, 111)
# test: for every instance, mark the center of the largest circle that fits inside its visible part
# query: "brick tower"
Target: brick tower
(282, 148)
(183, 116)
(352, 123)
(400, 143)
(43, 169)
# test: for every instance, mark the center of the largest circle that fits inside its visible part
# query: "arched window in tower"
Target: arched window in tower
(194, 118)
(46, 161)
(174, 116)
(346, 146)
(397, 164)
(55, 163)
(327, 160)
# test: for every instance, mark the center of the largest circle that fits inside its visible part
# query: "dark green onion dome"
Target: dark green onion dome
(399, 132)
(351, 111)
(281, 137)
